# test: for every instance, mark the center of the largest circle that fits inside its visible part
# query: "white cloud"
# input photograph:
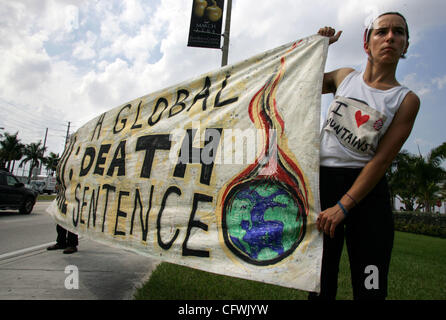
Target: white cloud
(71, 18)
(83, 50)
(136, 48)
(110, 27)
(134, 12)
(422, 87)
(440, 82)
(418, 86)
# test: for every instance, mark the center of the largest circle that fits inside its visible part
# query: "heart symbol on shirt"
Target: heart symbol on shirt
(361, 119)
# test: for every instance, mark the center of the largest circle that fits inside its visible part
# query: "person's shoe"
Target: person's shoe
(56, 247)
(70, 250)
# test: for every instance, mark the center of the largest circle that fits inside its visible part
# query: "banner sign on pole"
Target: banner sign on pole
(219, 173)
(206, 24)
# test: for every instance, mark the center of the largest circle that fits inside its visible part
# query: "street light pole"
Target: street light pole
(224, 60)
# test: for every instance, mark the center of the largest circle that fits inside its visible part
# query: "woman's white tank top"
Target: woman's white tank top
(356, 120)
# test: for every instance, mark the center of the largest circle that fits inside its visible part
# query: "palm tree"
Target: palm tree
(416, 179)
(11, 150)
(402, 180)
(33, 153)
(51, 162)
(431, 176)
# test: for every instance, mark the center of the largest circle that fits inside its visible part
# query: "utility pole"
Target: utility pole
(44, 145)
(224, 59)
(68, 133)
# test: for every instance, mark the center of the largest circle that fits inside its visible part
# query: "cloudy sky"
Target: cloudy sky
(70, 60)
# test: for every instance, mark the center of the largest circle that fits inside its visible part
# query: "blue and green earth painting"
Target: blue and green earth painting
(263, 222)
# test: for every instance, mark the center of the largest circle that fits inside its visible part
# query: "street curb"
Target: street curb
(139, 284)
(16, 253)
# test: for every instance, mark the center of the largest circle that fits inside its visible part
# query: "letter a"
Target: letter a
(72, 281)
(372, 281)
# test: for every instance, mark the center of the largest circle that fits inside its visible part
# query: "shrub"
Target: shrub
(430, 224)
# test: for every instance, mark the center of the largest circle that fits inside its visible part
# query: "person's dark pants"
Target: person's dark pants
(66, 238)
(368, 231)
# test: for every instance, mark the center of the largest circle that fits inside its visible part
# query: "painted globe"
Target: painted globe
(262, 222)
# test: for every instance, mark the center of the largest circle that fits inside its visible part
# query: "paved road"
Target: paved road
(18, 231)
(29, 271)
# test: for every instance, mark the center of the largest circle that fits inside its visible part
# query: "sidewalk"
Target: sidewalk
(104, 273)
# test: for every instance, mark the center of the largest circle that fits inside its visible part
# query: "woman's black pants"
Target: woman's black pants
(66, 238)
(368, 232)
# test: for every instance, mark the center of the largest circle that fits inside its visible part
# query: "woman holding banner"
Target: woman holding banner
(367, 123)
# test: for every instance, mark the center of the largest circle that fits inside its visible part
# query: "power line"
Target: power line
(29, 113)
(23, 125)
(22, 122)
(31, 123)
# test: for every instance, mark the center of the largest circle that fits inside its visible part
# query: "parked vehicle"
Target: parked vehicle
(14, 195)
(36, 185)
(45, 184)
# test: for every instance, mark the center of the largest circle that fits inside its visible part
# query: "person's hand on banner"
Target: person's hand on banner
(330, 32)
(328, 220)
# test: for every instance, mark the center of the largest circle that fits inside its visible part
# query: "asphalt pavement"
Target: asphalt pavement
(95, 272)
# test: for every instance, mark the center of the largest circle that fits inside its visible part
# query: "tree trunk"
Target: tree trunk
(427, 206)
(30, 173)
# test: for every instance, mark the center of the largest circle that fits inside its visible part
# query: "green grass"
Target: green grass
(46, 197)
(417, 272)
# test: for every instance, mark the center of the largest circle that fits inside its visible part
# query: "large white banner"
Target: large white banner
(220, 173)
